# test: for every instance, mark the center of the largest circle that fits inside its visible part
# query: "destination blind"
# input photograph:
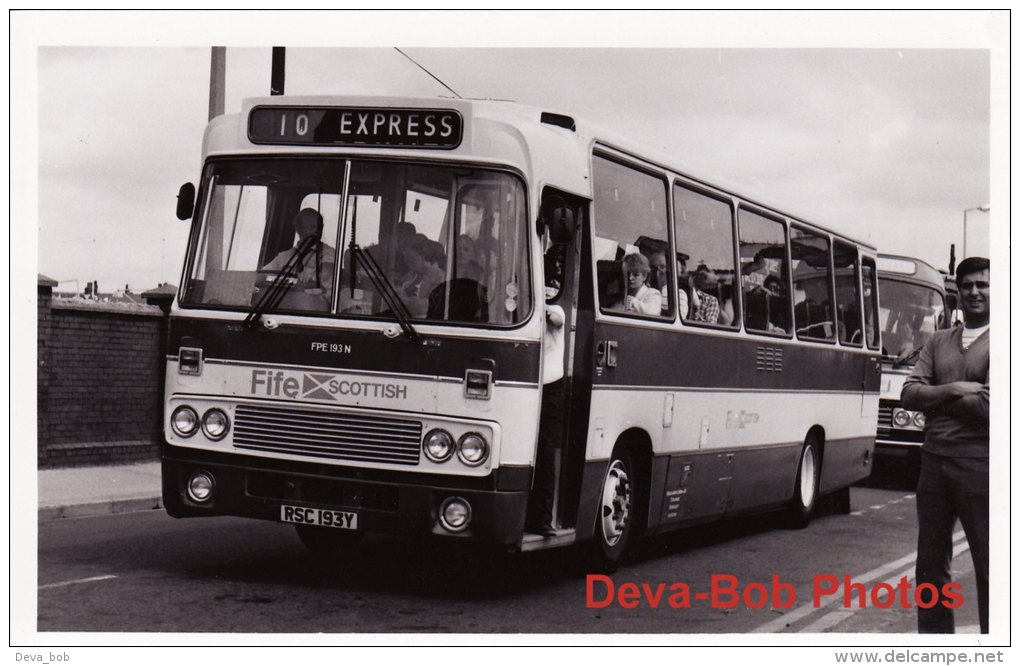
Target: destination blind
(356, 126)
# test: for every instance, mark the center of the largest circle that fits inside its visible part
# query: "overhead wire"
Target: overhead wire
(424, 69)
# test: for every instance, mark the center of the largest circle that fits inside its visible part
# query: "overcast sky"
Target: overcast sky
(887, 144)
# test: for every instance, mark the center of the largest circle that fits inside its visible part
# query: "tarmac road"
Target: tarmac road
(146, 572)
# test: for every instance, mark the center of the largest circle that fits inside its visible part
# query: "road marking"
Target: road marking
(75, 582)
(779, 624)
(832, 619)
(879, 507)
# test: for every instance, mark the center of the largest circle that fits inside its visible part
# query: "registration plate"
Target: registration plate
(303, 515)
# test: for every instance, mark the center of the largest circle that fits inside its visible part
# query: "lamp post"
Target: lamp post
(983, 209)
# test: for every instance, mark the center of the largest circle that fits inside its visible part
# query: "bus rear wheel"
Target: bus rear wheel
(805, 490)
(328, 541)
(614, 522)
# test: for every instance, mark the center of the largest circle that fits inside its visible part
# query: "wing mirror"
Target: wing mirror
(186, 201)
(559, 219)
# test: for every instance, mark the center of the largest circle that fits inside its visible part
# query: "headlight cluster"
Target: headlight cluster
(471, 449)
(214, 423)
(904, 418)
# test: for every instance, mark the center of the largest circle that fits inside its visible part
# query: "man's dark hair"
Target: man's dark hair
(972, 265)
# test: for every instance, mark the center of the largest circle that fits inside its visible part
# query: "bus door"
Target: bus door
(565, 219)
(872, 367)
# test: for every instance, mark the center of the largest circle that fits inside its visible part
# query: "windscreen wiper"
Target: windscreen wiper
(910, 356)
(283, 281)
(386, 289)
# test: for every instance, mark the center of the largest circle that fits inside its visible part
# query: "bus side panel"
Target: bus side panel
(845, 461)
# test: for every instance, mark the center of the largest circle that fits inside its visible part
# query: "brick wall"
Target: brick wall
(100, 382)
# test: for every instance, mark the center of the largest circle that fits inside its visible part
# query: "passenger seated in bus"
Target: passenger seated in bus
(640, 297)
(468, 263)
(659, 277)
(705, 306)
(683, 283)
(753, 274)
(726, 313)
(423, 258)
(315, 272)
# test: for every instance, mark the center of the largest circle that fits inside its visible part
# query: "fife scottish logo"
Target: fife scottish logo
(315, 386)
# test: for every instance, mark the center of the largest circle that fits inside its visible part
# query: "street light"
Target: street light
(983, 209)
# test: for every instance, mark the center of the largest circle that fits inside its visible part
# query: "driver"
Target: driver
(315, 271)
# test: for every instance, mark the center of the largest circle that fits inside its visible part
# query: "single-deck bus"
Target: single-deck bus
(912, 306)
(357, 345)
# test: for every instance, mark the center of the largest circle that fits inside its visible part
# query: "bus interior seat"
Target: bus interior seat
(468, 301)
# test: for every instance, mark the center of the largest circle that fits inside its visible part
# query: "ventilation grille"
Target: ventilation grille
(770, 359)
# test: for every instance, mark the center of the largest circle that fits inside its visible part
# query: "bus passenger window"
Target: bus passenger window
(704, 232)
(631, 242)
(812, 310)
(764, 273)
(848, 309)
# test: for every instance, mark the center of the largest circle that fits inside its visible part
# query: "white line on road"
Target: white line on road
(781, 623)
(835, 617)
(75, 582)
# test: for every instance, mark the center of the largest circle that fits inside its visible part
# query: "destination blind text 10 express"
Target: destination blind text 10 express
(346, 126)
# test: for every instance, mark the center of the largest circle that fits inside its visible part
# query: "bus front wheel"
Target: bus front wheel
(614, 522)
(805, 490)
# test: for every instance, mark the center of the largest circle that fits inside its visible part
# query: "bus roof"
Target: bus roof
(553, 147)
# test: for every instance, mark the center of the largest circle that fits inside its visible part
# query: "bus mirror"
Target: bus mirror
(186, 201)
(558, 219)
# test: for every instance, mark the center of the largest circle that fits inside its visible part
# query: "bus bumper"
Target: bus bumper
(243, 488)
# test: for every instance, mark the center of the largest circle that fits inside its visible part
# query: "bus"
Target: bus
(913, 304)
(358, 344)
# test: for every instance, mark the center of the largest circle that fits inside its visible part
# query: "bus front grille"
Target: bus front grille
(322, 434)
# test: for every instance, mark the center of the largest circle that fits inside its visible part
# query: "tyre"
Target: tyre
(805, 490)
(328, 541)
(614, 521)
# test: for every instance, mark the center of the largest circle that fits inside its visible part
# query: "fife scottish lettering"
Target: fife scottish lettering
(315, 386)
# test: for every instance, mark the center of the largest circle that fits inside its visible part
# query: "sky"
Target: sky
(887, 144)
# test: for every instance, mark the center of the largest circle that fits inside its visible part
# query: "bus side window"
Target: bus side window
(764, 274)
(813, 312)
(847, 293)
(704, 239)
(631, 217)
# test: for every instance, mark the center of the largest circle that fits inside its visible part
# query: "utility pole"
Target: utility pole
(217, 81)
(278, 71)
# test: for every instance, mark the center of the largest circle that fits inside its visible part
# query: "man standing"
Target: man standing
(950, 384)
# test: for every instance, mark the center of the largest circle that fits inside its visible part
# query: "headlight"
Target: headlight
(200, 486)
(901, 418)
(455, 514)
(215, 423)
(438, 445)
(472, 449)
(184, 421)
(919, 419)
